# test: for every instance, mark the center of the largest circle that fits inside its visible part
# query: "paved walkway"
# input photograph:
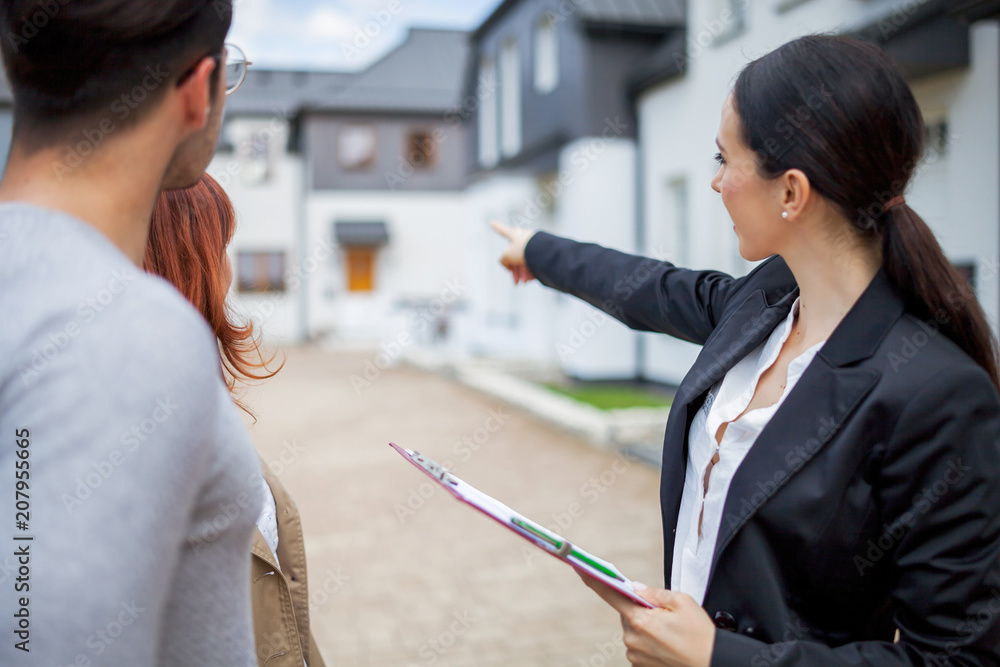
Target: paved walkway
(402, 574)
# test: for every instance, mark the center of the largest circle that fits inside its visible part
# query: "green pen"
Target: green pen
(565, 548)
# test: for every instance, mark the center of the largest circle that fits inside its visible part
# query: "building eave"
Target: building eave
(905, 38)
(976, 10)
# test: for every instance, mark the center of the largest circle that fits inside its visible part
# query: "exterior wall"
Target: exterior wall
(421, 276)
(590, 198)
(956, 193)
(577, 138)
(268, 214)
(598, 205)
(393, 168)
(507, 321)
(557, 115)
(610, 60)
(679, 121)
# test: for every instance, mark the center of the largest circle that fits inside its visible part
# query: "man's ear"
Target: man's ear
(196, 94)
(795, 192)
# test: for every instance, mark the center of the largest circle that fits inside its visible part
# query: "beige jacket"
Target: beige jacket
(280, 597)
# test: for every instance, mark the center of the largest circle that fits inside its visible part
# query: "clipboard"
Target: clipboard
(549, 542)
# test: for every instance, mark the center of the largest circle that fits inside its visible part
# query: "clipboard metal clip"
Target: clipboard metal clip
(433, 468)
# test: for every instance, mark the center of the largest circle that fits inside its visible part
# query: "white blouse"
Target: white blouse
(726, 400)
(267, 522)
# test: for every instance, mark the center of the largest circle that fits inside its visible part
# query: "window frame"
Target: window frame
(372, 161)
(262, 282)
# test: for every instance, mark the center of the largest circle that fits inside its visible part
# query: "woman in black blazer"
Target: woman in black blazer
(870, 502)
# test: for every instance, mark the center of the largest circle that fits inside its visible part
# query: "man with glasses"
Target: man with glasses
(129, 483)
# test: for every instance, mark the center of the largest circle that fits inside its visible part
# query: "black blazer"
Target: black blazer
(870, 501)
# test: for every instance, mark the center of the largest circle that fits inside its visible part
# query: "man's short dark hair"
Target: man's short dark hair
(73, 63)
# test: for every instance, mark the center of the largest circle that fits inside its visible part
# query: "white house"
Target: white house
(348, 187)
(364, 198)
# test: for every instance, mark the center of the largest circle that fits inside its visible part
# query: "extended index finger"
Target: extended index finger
(502, 229)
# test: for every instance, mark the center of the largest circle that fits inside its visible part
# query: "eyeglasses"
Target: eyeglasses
(236, 67)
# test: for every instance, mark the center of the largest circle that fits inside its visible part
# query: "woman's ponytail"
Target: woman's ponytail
(933, 289)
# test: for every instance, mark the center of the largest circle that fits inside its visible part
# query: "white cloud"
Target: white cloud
(338, 34)
(325, 23)
(307, 35)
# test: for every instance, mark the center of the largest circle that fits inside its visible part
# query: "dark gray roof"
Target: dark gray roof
(423, 75)
(650, 13)
(641, 14)
(976, 10)
(280, 91)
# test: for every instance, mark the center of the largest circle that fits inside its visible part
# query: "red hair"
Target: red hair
(188, 235)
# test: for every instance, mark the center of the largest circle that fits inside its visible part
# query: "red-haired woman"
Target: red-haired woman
(187, 246)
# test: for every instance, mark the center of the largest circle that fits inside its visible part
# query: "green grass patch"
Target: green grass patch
(610, 397)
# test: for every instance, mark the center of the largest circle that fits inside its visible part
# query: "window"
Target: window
(360, 269)
(356, 147)
(936, 139)
(968, 271)
(677, 221)
(666, 227)
(546, 55)
(421, 149)
(257, 155)
(510, 99)
(260, 271)
(488, 129)
(727, 20)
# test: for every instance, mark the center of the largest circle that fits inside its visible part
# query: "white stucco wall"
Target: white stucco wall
(425, 261)
(591, 197)
(507, 321)
(267, 211)
(597, 205)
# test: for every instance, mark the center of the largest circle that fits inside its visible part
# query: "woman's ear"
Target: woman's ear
(794, 193)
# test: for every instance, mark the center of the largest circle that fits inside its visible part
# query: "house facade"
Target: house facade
(556, 148)
(658, 200)
(348, 189)
(365, 198)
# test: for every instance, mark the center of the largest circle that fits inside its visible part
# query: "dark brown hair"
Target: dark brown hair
(188, 236)
(839, 110)
(73, 62)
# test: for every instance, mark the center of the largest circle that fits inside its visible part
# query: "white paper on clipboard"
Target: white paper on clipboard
(541, 537)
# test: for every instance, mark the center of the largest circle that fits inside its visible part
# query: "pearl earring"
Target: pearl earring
(784, 214)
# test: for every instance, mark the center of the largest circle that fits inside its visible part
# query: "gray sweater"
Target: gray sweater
(139, 486)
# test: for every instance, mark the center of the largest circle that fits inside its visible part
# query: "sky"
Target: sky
(340, 34)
